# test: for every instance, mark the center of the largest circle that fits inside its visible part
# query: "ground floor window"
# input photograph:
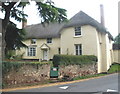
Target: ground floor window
(78, 49)
(31, 51)
(59, 51)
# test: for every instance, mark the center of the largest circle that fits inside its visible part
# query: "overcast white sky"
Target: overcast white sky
(90, 7)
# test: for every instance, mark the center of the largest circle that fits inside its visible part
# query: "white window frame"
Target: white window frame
(77, 31)
(31, 51)
(78, 49)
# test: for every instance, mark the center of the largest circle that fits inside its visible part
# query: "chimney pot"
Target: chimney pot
(102, 15)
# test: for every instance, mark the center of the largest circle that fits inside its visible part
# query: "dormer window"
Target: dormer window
(49, 40)
(77, 31)
(33, 41)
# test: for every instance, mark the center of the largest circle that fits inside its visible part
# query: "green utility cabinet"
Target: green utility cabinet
(54, 72)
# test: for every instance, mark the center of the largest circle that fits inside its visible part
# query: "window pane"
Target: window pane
(31, 51)
(49, 40)
(78, 49)
(77, 31)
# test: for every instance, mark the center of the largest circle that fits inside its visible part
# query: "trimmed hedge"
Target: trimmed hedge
(73, 60)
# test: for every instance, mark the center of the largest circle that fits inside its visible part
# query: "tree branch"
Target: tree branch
(7, 12)
(11, 5)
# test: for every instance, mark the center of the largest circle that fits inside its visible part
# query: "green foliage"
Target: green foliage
(9, 54)
(8, 65)
(14, 37)
(88, 76)
(73, 59)
(117, 39)
(115, 67)
(47, 11)
(50, 13)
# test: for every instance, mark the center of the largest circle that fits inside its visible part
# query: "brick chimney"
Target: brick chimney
(24, 23)
(102, 15)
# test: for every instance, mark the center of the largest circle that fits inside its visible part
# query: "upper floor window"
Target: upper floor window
(49, 40)
(31, 51)
(33, 41)
(77, 31)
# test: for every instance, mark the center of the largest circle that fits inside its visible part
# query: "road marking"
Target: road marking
(111, 90)
(64, 87)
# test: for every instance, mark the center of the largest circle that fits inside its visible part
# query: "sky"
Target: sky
(90, 7)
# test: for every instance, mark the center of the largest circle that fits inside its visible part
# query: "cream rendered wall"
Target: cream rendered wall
(88, 40)
(39, 52)
(116, 54)
(99, 42)
(105, 52)
(108, 51)
(53, 47)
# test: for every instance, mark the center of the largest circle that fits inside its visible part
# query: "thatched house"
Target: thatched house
(81, 35)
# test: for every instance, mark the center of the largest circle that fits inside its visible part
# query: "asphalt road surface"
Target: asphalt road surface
(102, 84)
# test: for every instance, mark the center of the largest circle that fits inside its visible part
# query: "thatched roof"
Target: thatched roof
(53, 29)
(82, 18)
(41, 31)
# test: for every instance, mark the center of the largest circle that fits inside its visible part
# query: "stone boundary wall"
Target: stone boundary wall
(77, 70)
(27, 74)
(41, 73)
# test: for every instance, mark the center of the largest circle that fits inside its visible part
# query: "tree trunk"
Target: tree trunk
(3, 43)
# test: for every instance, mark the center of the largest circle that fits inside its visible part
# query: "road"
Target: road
(101, 84)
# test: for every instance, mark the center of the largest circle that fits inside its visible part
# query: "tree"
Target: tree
(14, 38)
(117, 39)
(47, 11)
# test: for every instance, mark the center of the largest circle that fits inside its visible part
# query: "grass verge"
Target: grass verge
(88, 76)
(115, 67)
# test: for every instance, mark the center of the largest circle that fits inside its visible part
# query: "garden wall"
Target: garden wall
(31, 73)
(27, 74)
(77, 70)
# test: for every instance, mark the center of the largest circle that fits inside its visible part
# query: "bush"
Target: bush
(115, 67)
(73, 59)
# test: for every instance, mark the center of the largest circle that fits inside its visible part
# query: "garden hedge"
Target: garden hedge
(73, 60)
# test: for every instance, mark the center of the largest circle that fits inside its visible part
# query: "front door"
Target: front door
(45, 55)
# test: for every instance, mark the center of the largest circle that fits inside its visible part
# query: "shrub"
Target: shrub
(115, 67)
(73, 59)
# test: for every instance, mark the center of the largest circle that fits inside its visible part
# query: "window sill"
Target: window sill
(77, 36)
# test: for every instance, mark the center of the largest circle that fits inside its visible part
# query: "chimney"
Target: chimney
(24, 23)
(102, 15)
